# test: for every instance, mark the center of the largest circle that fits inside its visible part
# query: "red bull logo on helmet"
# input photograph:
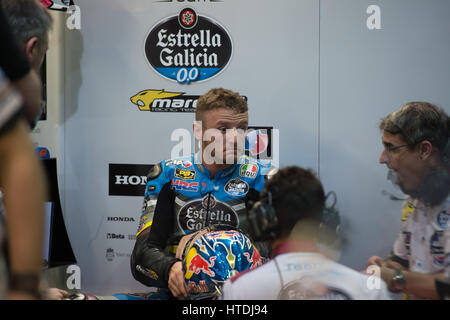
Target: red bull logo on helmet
(199, 264)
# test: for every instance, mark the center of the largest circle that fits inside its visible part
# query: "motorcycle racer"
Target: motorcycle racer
(188, 194)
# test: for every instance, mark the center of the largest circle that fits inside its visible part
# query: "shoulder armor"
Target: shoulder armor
(154, 172)
(270, 172)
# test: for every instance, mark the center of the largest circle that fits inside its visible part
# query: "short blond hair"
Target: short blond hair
(220, 98)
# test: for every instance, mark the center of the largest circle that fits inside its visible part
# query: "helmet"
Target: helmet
(57, 4)
(211, 257)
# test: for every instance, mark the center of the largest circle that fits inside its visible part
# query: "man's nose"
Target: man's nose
(383, 157)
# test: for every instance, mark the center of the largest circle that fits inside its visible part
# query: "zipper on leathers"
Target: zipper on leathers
(207, 209)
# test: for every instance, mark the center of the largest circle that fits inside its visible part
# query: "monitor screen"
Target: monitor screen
(47, 232)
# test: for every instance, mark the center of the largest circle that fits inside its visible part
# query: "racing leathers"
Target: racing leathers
(181, 198)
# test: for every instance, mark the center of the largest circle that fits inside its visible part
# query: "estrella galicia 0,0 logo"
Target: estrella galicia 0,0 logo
(188, 47)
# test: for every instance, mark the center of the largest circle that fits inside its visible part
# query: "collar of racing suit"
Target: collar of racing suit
(221, 173)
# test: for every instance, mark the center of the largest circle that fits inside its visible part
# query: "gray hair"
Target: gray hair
(28, 18)
(418, 121)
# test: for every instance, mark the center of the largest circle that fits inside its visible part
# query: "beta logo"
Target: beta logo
(110, 235)
(188, 47)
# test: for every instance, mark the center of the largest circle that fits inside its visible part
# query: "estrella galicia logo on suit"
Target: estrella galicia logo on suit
(194, 215)
(188, 47)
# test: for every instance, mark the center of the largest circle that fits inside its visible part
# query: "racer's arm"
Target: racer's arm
(150, 264)
(420, 285)
(392, 261)
(23, 181)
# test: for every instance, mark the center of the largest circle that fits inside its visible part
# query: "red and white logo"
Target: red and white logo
(187, 18)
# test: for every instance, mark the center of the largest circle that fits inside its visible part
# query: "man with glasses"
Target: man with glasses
(417, 153)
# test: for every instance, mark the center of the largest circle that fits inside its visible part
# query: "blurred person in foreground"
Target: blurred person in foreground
(21, 233)
(416, 152)
(30, 25)
(290, 213)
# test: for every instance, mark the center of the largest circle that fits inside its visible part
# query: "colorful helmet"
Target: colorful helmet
(57, 4)
(210, 258)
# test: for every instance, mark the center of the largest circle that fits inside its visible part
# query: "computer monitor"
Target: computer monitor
(47, 233)
(57, 248)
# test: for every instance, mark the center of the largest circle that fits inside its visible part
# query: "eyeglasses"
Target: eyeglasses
(390, 148)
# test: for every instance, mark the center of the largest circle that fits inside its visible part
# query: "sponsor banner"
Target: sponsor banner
(155, 100)
(164, 101)
(188, 47)
(128, 179)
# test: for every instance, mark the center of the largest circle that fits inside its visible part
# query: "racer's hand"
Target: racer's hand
(376, 260)
(55, 294)
(177, 285)
(182, 245)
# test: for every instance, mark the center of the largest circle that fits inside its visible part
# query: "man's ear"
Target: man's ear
(198, 130)
(425, 149)
(31, 48)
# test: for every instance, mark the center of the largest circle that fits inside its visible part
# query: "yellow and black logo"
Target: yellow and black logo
(407, 210)
(184, 174)
(164, 101)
